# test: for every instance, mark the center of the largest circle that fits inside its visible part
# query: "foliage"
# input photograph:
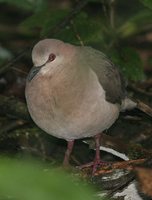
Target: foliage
(108, 30)
(30, 180)
(136, 24)
(129, 62)
(110, 27)
(33, 5)
(147, 3)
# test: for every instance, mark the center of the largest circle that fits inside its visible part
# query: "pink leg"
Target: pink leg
(97, 160)
(68, 153)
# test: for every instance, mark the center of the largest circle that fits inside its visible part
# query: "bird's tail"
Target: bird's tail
(129, 104)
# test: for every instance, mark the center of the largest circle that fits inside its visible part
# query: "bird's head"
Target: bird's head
(49, 55)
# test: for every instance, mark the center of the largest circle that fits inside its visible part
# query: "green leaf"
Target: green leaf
(82, 26)
(42, 22)
(87, 28)
(147, 3)
(45, 21)
(53, 18)
(129, 62)
(32, 181)
(29, 5)
(139, 22)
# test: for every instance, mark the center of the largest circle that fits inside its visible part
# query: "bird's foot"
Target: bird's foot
(95, 165)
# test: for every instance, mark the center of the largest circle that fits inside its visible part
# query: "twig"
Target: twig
(53, 31)
(145, 108)
(105, 11)
(139, 90)
(20, 71)
(147, 84)
(75, 160)
(112, 13)
(12, 126)
(11, 106)
(128, 165)
(76, 33)
(14, 60)
(124, 183)
(58, 27)
(143, 136)
(131, 150)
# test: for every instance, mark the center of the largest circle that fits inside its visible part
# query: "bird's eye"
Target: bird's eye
(51, 57)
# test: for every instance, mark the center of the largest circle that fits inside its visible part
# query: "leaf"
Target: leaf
(32, 181)
(139, 22)
(41, 22)
(53, 18)
(29, 5)
(5, 54)
(147, 3)
(82, 26)
(129, 62)
(87, 28)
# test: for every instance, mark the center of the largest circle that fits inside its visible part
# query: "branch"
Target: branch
(57, 28)
(132, 150)
(12, 107)
(144, 108)
(6, 67)
(112, 13)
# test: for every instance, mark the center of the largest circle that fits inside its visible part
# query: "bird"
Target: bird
(73, 92)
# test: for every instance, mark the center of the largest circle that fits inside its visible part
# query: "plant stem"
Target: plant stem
(112, 13)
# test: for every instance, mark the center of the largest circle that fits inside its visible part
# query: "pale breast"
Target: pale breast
(83, 115)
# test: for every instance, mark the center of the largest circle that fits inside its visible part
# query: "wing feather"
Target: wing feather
(108, 74)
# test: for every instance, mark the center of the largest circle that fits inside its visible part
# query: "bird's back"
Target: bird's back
(108, 74)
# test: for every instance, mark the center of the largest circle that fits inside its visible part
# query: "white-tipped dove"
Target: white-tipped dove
(74, 92)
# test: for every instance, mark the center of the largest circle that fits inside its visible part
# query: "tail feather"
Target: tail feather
(128, 104)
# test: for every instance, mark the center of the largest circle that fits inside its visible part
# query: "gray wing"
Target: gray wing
(108, 74)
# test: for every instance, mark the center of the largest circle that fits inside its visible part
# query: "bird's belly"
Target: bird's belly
(83, 115)
(83, 124)
(87, 119)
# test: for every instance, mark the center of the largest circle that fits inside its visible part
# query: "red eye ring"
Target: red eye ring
(51, 57)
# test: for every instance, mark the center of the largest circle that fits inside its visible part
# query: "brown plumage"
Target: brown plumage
(74, 92)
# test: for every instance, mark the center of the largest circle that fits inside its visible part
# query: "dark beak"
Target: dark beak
(34, 70)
